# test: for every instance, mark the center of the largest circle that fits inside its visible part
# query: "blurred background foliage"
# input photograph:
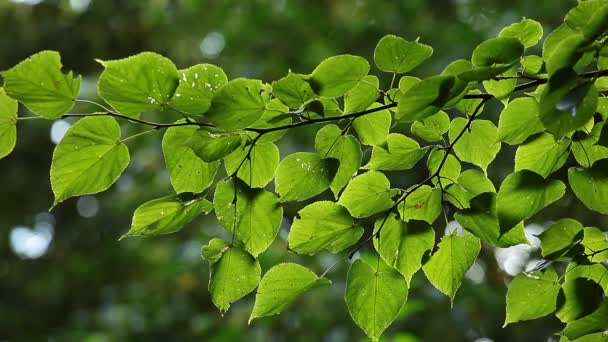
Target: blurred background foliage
(65, 277)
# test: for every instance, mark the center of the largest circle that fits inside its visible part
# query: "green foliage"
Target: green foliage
(550, 105)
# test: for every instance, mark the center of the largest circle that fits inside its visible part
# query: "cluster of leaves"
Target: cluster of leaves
(237, 123)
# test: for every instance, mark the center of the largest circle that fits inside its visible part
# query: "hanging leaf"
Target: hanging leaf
(257, 167)
(519, 120)
(422, 204)
(252, 216)
(481, 219)
(447, 266)
(293, 90)
(39, 84)
(367, 194)
(402, 153)
(303, 175)
(560, 237)
(196, 88)
(542, 154)
(532, 296)
(477, 145)
(89, 158)
(424, 98)
(167, 215)
(323, 225)
(373, 128)
(591, 185)
(500, 50)
(397, 55)
(362, 95)
(331, 143)
(187, 172)
(282, 285)
(138, 83)
(524, 193)
(403, 244)
(337, 75)
(528, 31)
(374, 298)
(433, 127)
(238, 103)
(234, 273)
(8, 124)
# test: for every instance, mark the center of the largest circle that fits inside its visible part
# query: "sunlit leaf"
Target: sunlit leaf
(40, 85)
(89, 158)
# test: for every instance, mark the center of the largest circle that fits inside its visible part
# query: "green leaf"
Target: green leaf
(330, 143)
(531, 64)
(253, 216)
(484, 73)
(39, 84)
(461, 86)
(532, 296)
(8, 124)
(528, 31)
(323, 225)
(337, 75)
(424, 98)
(501, 89)
(293, 90)
(433, 127)
(587, 148)
(566, 54)
(594, 322)
(89, 158)
(578, 17)
(542, 154)
(477, 145)
(303, 175)
(238, 103)
(321, 108)
(524, 193)
(422, 204)
(282, 285)
(402, 153)
(566, 106)
(187, 172)
(210, 144)
(235, 274)
(450, 170)
(373, 128)
(481, 219)
(403, 244)
(214, 250)
(367, 194)
(500, 50)
(196, 88)
(374, 298)
(595, 242)
(258, 169)
(274, 116)
(138, 83)
(597, 24)
(560, 237)
(167, 215)
(591, 185)
(519, 120)
(468, 106)
(595, 272)
(447, 266)
(581, 297)
(552, 41)
(362, 95)
(397, 55)
(469, 184)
